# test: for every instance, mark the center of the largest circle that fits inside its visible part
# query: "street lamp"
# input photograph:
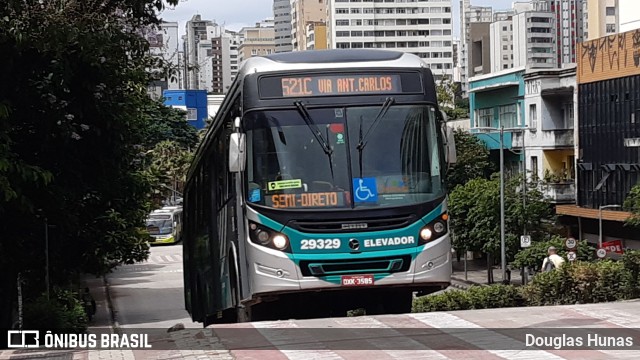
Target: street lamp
(600, 220)
(503, 247)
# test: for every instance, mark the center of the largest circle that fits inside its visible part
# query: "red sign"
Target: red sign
(357, 280)
(613, 246)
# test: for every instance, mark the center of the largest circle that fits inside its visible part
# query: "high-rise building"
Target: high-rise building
(479, 49)
(210, 56)
(501, 34)
(469, 14)
(534, 38)
(304, 12)
(164, 43)
(257, 40)
(423, 28)
(282, 25)
(569, 21)
(602, 18)
(316, 36)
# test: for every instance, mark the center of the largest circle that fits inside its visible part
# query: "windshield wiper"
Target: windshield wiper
(312, 126)
(361, 139)
(383, 110)
(316, 132)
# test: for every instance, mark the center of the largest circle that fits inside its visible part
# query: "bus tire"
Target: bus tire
(242, 313)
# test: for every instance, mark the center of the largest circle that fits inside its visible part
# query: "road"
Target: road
(149, 296)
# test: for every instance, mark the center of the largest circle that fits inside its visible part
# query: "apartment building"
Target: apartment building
(422, 28)
(469, 14)
(257, 40)
(629, 18)
(570, 28)
(501, 44)
(282, 25)
(316, 36)
(534, 38)
(164, 43)
(210, 56)
(479, 49)
(602, 18)
(303, 13)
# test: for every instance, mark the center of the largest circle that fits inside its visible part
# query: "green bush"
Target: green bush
(578, 282)
(477, 297)
(64, 312)
(534, 255)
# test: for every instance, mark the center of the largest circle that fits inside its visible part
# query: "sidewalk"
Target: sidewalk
(476, 274)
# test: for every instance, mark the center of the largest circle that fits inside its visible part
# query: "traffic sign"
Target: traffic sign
(613, 246)
(601, 253)
(572, 256)
(525, 240)
(570, 243)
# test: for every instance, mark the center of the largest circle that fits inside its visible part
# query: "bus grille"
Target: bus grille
(360, 266)
(352, 225)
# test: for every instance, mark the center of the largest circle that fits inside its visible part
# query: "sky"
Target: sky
(235, 14)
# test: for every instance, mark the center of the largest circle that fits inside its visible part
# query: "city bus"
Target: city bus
(165, 225)
(319, 189)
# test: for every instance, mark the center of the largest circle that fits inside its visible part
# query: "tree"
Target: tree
(73, 115)
(632, 204)
(475, 216)
(168, 124)
(168, 166)
(472, 160)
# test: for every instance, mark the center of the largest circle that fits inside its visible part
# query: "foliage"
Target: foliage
(169, 163)
(168, 124)
(445, 91)
(477, 297)
(576, 282)
(74, 112)
(472, 160)
(534, 255)
(580, 282)
(64, 312)
(475, 215)
(632, 204)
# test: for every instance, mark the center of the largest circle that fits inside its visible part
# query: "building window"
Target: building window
(533, 116)
(485, 117)
(611, 28)
(508, 116)
(611, 10)
(534, 166)
(567, 115)
(192, 114)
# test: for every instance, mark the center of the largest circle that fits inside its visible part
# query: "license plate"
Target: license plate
(357, 280)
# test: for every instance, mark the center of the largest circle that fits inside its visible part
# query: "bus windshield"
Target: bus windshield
(379, 157)
(159, 224)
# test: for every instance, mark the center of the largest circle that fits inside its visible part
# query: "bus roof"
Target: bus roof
(330, 59)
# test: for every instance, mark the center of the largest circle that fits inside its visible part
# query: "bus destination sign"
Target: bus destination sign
(330, 85)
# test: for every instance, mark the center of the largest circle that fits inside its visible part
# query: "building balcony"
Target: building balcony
(546, 139)
(560, 193)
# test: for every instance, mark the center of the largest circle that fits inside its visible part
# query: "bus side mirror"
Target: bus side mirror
(237, 155)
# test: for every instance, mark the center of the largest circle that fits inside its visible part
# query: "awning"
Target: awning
(589, 213)
(495, 86)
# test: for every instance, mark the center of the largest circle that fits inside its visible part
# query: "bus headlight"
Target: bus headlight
(425, 234)
(439, 227)
(280, 241)
(435, 229)
(264, 236)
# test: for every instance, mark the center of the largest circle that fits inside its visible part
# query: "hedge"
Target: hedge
(574, 283)
(62, 312)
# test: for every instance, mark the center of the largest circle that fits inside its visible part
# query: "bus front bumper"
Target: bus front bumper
(430, 266)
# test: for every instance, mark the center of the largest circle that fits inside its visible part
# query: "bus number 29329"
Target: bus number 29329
(311, 244)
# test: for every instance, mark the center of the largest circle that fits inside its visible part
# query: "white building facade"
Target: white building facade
(164, 43)
(282, 25)
(423, 28)
(534, 39)
(501, 44)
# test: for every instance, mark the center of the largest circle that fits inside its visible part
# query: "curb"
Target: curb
(115, 326)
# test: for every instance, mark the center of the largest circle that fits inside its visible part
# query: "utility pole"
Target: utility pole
(502, 240)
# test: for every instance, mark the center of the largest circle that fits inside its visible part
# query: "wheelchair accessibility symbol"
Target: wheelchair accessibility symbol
(365, 190)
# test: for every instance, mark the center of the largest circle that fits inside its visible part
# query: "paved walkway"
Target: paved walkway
(476, 274)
